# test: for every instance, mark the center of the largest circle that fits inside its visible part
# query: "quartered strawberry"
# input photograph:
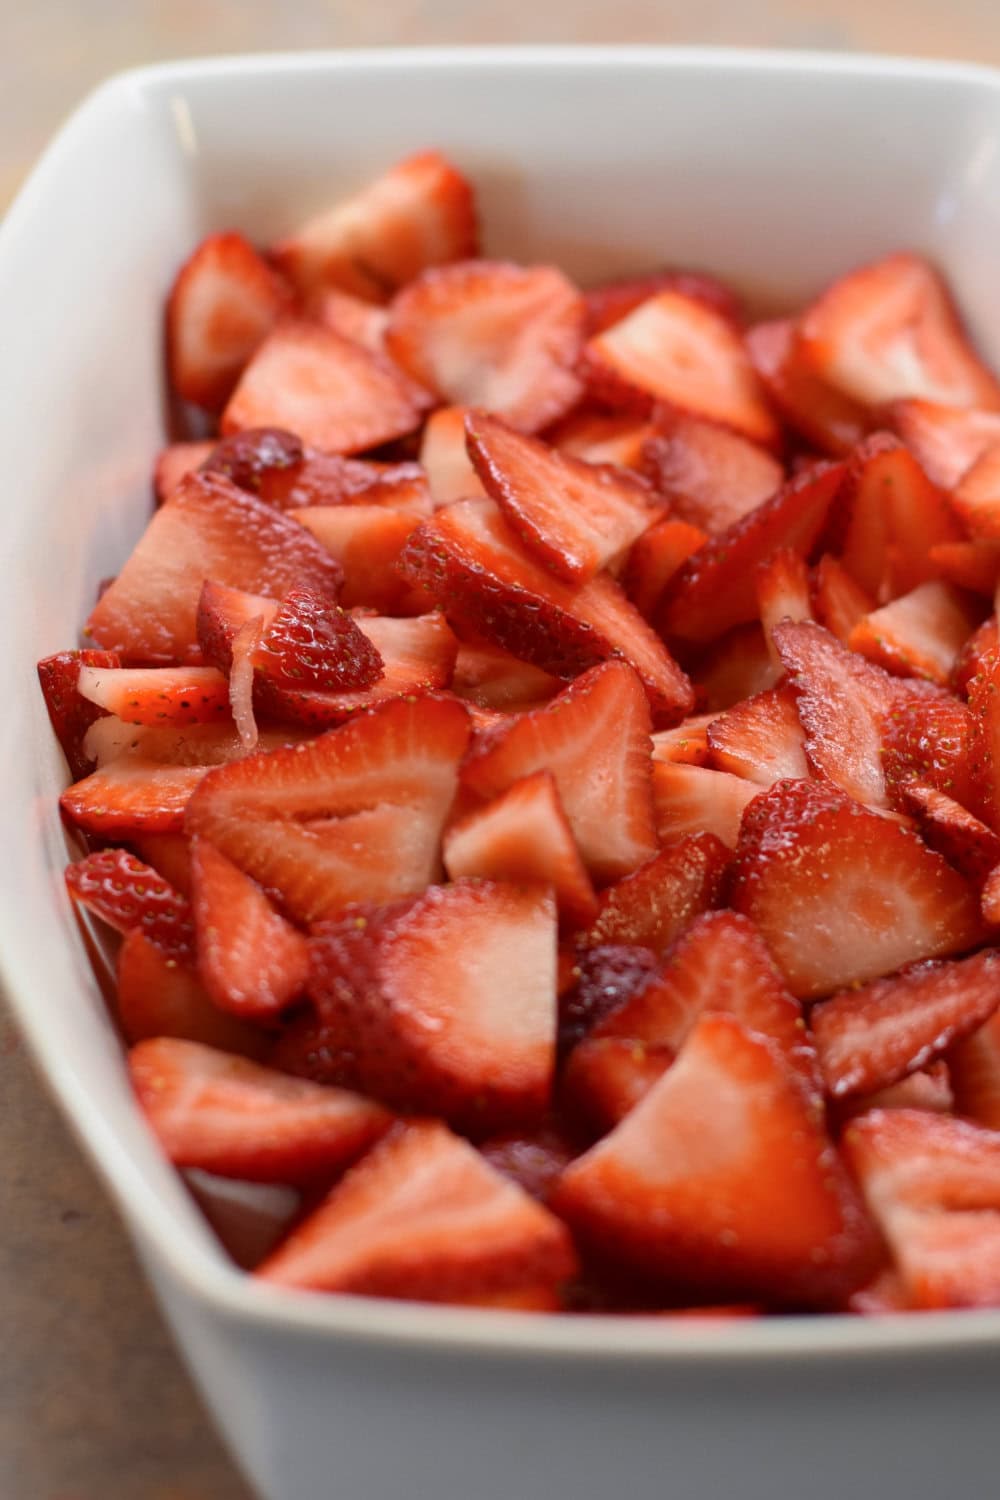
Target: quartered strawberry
(594, 739)
(174, 462)
(782, 584)
(262, 460)
(919, 634)
(448, 1000)
(157, 695)
(711, 476)
(250, 960)
(574, 516)
(698, 799)
(839, 602)
(128, 894)
(968, 565)
(131, 795)
(738, 666)
(676, 350)
(492, 678)
(444, 457)
(492, 334)
(523, 836)
(974, 1068)
(604, 978)
(655, 558)
(230, 1116)
(602, 437)
(70, 715)
(820, 413)
(946, 440)
(716, 589)
(760, 739)
(353, 815)
(472, 563)
(210, 529)
(160, 995)
(611, 301)
(869, 1038)
(334, 394)
(363, 322)
(976, 497)
(225, 300)
(420, 213)
(843, 895)
(367, 541)
(965, 842)
(723, 1182)
(652, 906)
(687, 745)
(425, 1216)
(311, 643)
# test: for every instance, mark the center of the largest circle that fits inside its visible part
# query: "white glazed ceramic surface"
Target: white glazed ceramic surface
(775, 170)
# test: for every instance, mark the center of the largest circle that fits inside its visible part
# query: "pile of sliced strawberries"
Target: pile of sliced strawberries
(543, 759)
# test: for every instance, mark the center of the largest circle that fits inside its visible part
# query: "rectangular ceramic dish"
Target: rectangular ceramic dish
(774, 170)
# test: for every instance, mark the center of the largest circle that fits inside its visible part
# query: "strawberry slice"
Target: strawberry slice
(976, 498)
(425, 1216)
(174, 463)
(760, 739)
(492, 678)
(716, 589)
(169, 854)
(225, 300)
(210, 529)
(869, 1038)
(738, 666)
(843, 895)
(131, 795)
(723, 1181)
(824, 416)
(367, 541)
(974, 1067)
(928, 740)
(839, 601)
(444, 457)
(472, 563)
(250, 960)
(712, 477)
(258, 462)
(262, 460)
(968, 565)
(492, 334)
(602, 437)
(890, 330)
(977, 649)
(919, 634)
(782, 584)
(574, 516)
(421, 212)
(697, 799)
(533, 1161)
(109, 739)
(928, 1088)
(472, 963)
(654, 560)
(157, 695)
(355, 815)
(335, 394)
(230, 1116)
(594, 739)
(676, 350)
(984, 740)
(652, 906)
(946, 826)
(604, 978)
(687, 745)
(353, 318)
(160, 995)
(611, 301)
(523, 836)
(70, 715)
(945, 440)
(128, 894)
(310, 643)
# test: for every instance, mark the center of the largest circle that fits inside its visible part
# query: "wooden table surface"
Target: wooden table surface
(93, 1402)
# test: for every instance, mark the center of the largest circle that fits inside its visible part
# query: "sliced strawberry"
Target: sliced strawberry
(261, 460)
(946, 440)
(984, 740)
(225, 300)
(712, 477)
(608, 303)
(109, 739)
(250, 960)
(885, 1294)
(492, 334)
(169, 854)
(331, 479)
(782, 584)
(444, 457)
(722, 1181)
(654, 560)
(974, 1066)
(222, 613)
(425, 1216)
(760, 739)
(603, 978)
(230, 1116)
(492, 678)
(738, 666)
(160, 995)
(653, 905)
(976, 497)
(890, 330)
(946, 826)
(843, 895)
(602, 437)
(421, 212)
(687, 745)
(977, 649)
(355, 815)
(574, 516)
(968, 565)
(210, 529)
(70, 715)
(128, 894)
(676, 350)
(174, 463)
(533, 1161)
(919, 634)
(336, 395)
(928, 1088)
(367, 541)
(697, 799)
(928, 739)
(311, 643)
(822, 415)
(838, 601)
(594, 739)
(353, 318)
(715, 589)
(472, 563)
(131, 795)
(157, 695)
(448, 1000)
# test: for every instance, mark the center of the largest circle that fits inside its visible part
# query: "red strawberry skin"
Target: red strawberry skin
(311, 643)
(653, 905)
(129, 796)
(257, 460)
(69, 714)
(128, 894)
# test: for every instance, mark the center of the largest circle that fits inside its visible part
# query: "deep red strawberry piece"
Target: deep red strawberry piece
(974, 1068)
(574, 516)
(980, 645)
(425, 1216)
(312, 643)
(222, 613)
(976, 498)
(69, 714)
(817, 411)
(946, 440)
(210, 529)
(983, 761)
(444, 457)
(838, 601)
(606, 976)
(157, 696)
(716, 588)
(128, 894)
(257, 459)
(420, 213)
(233, 1117)
(492, 334)
(131, 795)
(533, 1161)
(968, 565)
(225, 300)
(492, 678)
(594, 739)
(602, 437)
(174, 463)
(611, 301)
(843, 895)
(698, 799)
(250, 960)
(965, 842)
(367, 541)
(712, 477)
(160, 995)
(869, 1038)
(760, 739)
(722, 1181)
(473, 962)
(654, 560)
(474, 566)
(332, 479)
(782, 586)
(738, 666)
(919, 634)
(687, 745)
(653, 905)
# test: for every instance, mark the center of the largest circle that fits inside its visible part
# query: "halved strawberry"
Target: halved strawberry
(782, 584)
(128, 894)
(736, 667)
(230, 1116)
(760, 739)
(974, 1066)
(574, 516)
(160, 995)
(843, 895)
(225, 300)
(611, 301)
(652, 905)
(174, 462)
(965, 842)
(594, 739)
(250, 960)
(352, 317)
(869, 1038)
(968, 565)
(355, 815)
(687, 745)
(723, 1182)
(492, 334)
(928, 740)
(822, 415)
(448, 1000)
(367, 541)
(890, 330)
(698, 799)
(946, 440)
(421, 212)
(602, 437)
(655, 558)
(976, 498)
(676, 350)
(603, 978)
(444, 457)
(131, 795)
(70, 715)
(492, 678)
(157, 695)
(311, 643)
(425, 1216)
(839, 602)
(210, 529)
(712, 477)
(334, 394)
(919, 634)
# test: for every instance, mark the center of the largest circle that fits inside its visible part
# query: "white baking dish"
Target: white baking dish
(776, 170)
